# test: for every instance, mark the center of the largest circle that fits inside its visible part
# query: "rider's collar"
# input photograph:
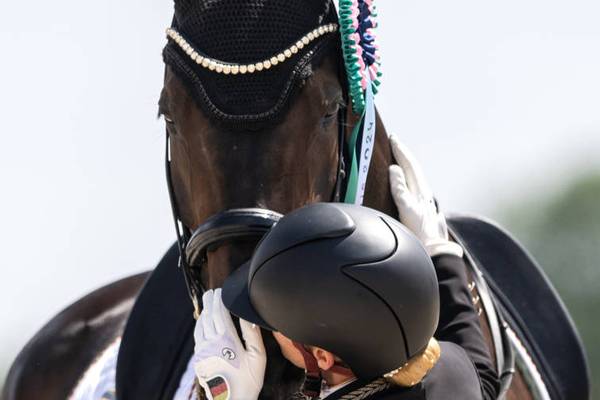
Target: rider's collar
(328, 390)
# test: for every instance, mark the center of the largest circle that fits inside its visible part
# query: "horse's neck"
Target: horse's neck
(377, 193)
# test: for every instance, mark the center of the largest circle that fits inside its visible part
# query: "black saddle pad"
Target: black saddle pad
(534, 310)
(158, 340)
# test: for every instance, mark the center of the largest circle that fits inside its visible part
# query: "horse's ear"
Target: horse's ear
(183, 3)
(182, 8)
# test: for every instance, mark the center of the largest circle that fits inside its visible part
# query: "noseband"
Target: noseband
(229, 225)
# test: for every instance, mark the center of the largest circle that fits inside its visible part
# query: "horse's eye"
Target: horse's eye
(168, 120)
(332, 112)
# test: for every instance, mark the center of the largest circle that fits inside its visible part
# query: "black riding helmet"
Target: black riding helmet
(345, 278)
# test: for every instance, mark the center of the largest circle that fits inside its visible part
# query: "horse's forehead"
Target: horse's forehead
(321, 89)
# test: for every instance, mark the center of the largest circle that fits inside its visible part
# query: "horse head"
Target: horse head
(279, 167)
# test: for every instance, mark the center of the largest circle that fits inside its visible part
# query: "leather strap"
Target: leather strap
(228, 225)
(312, 381)
(341, 169)
(218, 229)
(505, 353)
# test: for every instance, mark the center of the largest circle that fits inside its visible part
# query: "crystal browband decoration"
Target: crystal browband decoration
(226, 68)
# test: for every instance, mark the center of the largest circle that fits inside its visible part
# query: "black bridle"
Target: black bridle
(232, 224)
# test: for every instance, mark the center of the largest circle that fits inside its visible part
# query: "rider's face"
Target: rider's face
(289, 351)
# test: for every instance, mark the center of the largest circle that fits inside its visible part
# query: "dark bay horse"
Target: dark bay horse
(280, 168)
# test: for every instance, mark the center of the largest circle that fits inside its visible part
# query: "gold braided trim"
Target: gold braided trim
(222, 67)
(417, 367)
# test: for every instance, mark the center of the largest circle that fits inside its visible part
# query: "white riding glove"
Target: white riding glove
(225, 369)
(416, 205)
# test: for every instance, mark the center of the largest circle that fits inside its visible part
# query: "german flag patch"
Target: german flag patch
(218, 387)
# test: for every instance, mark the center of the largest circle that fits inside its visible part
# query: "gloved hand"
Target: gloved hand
(416, 205)
(225, 369)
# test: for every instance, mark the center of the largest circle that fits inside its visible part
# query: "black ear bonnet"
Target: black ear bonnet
(246, 32)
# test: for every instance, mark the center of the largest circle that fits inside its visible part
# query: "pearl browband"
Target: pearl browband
(227, 68)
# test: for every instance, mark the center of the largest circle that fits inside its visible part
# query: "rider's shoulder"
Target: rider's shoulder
(454, 376)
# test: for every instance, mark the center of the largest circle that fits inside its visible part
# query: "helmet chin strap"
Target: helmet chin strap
(311, 387)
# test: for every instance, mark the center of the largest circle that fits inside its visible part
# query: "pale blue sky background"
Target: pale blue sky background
(497, 99)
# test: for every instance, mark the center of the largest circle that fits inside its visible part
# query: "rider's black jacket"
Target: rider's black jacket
(465, 370)
(459, 321)
(453, 378)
